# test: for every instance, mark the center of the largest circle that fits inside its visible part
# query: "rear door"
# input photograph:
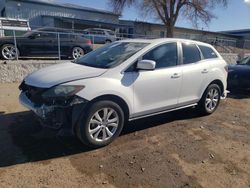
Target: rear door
(195, 72)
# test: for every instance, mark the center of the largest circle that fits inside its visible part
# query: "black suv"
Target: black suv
(44, 43)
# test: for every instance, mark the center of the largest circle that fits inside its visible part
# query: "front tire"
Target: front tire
(210, 100)
(100, 124)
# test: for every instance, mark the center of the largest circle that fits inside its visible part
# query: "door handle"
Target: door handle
(175, 75)
(204, 71)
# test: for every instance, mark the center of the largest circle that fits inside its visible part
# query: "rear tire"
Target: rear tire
(108, 41)
(210, 100)
(9, 52)
(77, 52)
(100, 124)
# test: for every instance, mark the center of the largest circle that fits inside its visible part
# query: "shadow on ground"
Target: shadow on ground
(239, 94)
(23, 140)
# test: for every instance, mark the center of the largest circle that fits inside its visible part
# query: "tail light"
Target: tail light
(89, 42)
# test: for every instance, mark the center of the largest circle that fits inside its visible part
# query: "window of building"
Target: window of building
(191, 53)
(208, 53)
(164, 55)
(3, 13)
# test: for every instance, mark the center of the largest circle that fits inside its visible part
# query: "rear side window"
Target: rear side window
(191, 53)
(208, 53)
(164, 55)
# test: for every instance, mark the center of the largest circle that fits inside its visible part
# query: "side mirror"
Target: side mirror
(146, 65)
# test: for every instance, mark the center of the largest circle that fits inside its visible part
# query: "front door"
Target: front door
(41, 44)
(158, 90)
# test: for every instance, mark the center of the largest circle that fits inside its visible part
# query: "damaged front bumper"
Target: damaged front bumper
(56, 116)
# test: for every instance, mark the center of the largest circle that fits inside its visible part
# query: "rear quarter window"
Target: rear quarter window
(208, 53)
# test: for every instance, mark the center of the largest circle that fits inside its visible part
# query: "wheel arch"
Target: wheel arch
(216, 81)
(219, 83)
(120, 101)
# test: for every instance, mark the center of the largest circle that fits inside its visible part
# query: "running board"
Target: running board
(162, 112)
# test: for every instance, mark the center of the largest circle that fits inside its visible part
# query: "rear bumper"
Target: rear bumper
(224, 95)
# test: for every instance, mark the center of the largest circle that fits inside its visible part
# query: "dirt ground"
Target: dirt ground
(178, 149)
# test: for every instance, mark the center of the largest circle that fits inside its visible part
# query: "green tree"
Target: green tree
(169, 10)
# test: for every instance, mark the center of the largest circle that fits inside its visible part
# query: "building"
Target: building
(153, 30)
(51, 14)
(48, 13)
(245, 33)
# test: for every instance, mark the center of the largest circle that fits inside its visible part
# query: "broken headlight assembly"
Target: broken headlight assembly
(63, 95)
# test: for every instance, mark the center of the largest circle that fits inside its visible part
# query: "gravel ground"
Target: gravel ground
(178, 149)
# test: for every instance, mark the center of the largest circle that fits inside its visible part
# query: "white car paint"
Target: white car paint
(60, 73)
(145, 92)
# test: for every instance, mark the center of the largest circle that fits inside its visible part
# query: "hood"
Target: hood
(61, 73)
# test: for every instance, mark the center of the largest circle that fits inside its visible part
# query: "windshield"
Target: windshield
(111, 55)
(28, 34)
(245, 61)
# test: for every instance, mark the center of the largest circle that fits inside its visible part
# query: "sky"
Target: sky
(235, 16)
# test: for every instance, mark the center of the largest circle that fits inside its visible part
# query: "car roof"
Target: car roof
(97, 29)
(52, 29)
(160, 40)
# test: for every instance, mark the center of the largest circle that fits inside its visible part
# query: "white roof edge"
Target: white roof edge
(158, 40)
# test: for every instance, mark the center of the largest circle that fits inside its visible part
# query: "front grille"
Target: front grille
(33, 93)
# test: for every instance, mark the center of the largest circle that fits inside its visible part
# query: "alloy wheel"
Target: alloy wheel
(212, 99)
(103, 124)
(9, 52)
(77, 52)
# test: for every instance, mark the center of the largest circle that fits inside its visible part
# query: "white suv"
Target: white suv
(125, 80)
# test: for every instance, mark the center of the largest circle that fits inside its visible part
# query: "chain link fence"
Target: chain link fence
(57, 43)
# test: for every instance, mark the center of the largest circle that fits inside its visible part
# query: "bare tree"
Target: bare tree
(169, 10)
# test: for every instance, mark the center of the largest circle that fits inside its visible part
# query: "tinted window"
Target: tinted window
(65, 36)
(47, 35)
(164, 55)
(208, 53)
(191, 53)
(245, 61)
(111, 32)
(98, 32)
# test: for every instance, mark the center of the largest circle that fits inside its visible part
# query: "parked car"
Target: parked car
(44, 43)
(239, 75)
(126, 80)
(100, 36)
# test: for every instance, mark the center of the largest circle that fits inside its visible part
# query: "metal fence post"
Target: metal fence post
(59, 46)
(15, 43)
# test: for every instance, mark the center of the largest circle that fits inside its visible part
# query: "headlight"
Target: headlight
(62, 91)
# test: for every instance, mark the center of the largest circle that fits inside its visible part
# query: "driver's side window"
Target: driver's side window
(47, 35)
(164, 55)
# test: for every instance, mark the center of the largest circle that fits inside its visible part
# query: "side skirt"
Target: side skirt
(162, 112)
